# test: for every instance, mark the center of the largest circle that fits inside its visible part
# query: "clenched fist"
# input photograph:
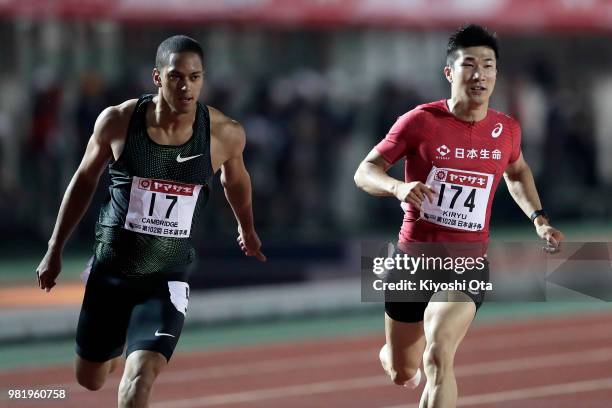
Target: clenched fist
(414, 193)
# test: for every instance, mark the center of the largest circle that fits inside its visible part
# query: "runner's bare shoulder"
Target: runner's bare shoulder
(227, 138)
(225, 130)
(112, 125)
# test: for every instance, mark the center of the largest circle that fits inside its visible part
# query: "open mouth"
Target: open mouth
(186, 99)
(478, 88)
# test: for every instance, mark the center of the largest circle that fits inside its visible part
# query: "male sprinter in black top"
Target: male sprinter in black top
(163, 151)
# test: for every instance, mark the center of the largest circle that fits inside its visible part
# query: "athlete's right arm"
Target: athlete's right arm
(371, 176)
(78, 195)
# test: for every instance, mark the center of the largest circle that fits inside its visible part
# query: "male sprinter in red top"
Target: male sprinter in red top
(456, 152)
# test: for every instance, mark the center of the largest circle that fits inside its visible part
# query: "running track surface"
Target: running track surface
(553, 362)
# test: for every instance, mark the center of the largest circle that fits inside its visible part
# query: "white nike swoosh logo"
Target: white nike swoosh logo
(184, 159)
(157, 333)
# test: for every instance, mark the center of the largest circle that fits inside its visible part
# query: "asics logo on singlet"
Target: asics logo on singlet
(443, 150)
(158, 333)
(497, 130)
(184, 159)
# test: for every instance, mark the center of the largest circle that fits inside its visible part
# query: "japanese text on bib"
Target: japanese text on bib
(163, 208)
(461, 200)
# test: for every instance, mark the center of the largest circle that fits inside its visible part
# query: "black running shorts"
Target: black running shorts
(413, 311)
(129, 313)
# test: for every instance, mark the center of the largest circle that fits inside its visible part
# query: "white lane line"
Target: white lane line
(526, 393)
(552, 338)
(536, 336)
(535, 392)
(268, 366)
(526, 363)
(557, 360)
(272, 393)
(259, 367)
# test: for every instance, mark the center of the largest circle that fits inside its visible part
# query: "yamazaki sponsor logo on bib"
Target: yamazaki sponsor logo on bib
(161, 207)
(461, 178)
(160, 186)
(461, 198)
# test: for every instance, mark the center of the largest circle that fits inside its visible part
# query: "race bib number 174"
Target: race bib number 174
(462, 199)
(163, 208)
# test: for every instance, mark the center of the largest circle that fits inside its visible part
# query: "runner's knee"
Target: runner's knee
(91, 381)
(401, 375)
(134, 389)
(91, 375)
(438, 359)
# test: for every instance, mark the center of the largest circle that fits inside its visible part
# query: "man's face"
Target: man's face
(181, 81)
(473, 75)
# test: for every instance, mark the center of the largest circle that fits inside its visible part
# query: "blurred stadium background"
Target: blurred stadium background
(316, 84)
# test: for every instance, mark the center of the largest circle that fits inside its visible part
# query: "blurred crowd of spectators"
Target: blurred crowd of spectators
(303, 143)
(297, 138)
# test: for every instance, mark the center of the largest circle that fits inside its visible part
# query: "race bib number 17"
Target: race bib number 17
(163, 208)
(462, 199)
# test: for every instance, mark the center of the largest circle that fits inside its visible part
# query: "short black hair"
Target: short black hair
(175, 44)
(470, 35)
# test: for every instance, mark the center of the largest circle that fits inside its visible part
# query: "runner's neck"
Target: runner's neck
(467, 113)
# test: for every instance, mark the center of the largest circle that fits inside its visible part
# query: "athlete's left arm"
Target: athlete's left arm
(521, 185)
(237, 186)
